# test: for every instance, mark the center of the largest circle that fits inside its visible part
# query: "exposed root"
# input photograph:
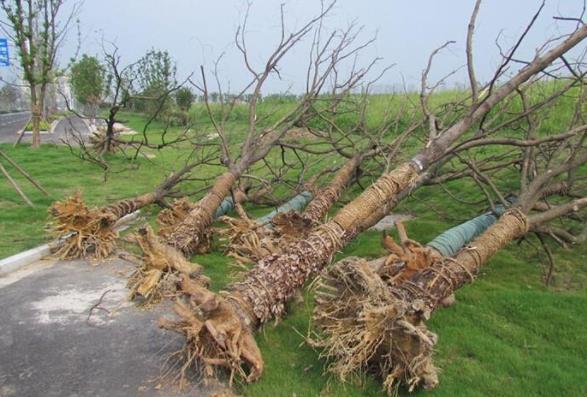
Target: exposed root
(161, 270)
(405, 260)
(87, 232)
(216, 335)
(292, 225)
(248, 241)
(365, 327)
(104, 144)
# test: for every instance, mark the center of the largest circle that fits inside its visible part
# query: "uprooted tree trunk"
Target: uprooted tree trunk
(370, 323)
(90, 232)
(373, 320)
(250, 241)
(169, 218)
(219, 328)
(189, 234)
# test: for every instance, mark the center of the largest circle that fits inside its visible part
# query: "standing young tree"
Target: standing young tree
(87, 81)
(37, 30)
(184, 97)
(155, 78)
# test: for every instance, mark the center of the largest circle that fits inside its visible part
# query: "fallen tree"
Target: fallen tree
(327, 56)
(373, 317)
(89, 232)
(249, 241)
(219, 327)
(369, 324)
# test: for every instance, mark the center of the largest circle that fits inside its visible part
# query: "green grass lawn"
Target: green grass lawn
(507, 335)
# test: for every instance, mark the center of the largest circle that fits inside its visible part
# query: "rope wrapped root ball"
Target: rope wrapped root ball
(366, 327)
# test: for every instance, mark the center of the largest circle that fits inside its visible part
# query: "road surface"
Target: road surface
(50, 346)
(11, 124)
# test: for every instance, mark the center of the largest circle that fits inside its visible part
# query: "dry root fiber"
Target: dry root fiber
(371, 324)
(162, 269)
(102, 144)
(248, 241)
(405, 260)
(367, 328)
(217, 334)
(87, 232)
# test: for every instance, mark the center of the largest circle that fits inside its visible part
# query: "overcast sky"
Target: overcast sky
(195, 32)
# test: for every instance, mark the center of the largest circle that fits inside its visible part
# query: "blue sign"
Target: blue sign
(4, 58)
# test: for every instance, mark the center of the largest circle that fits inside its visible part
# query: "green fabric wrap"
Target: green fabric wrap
(296, 204)
(225, 206)
(453, 240)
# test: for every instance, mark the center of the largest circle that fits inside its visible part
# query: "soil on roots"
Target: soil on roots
(161, 270)
(86, 232)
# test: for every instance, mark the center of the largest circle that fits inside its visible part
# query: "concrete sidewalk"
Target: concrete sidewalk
(49, 347)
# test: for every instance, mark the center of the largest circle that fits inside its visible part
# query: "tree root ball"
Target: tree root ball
(368, 326)
(86, 232)
(216, 335)
(161, 270)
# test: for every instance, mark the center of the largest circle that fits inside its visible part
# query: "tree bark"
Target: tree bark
(189, 234)
(327, 197)
(36, 111)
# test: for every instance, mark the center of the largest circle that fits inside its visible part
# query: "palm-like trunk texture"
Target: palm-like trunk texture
(250, 241)
(190, 233)
(219, 327)
(369, 322)
(170, 218)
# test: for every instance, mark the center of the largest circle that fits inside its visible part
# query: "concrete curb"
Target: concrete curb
(15, 262)
(54, 125)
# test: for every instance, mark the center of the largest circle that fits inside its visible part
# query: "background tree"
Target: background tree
(184, 97)
(37, 30)
(87, 82)
(155, 78)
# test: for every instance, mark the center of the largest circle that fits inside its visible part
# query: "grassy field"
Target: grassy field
(507, 335)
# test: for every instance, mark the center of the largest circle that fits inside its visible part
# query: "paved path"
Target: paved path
(48, 347)
(64, 130)
(11, 123)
